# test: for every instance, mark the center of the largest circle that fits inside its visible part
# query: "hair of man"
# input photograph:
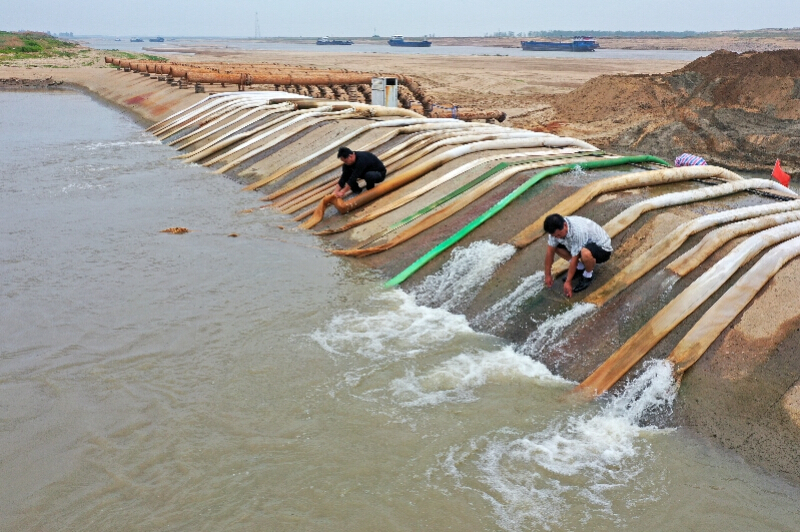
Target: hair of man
(553, 223)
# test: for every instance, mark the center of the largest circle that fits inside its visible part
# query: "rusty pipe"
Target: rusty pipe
(216, 77)
(466, 113)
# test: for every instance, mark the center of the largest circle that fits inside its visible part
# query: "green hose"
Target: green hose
(478, 180)
(500, 205)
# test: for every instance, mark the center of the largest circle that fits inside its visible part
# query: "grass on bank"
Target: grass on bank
(35, 45)
(30, 45)
(129, 55)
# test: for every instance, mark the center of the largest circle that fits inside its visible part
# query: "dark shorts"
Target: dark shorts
(370, 178)
(600, 255)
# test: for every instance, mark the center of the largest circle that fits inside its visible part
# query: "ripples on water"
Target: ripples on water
(202, 382)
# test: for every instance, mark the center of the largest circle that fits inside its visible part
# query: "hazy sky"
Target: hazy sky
(236, 18)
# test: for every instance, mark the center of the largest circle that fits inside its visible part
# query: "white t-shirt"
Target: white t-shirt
(581, 231)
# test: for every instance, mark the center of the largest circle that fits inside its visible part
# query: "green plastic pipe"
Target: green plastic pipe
(500, 205)
(478, 180)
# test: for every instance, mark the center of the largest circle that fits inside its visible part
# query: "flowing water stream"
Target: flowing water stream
(151, 381)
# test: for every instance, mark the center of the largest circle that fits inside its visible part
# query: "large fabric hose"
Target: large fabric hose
(407, 176)
(612, 184)
(277, 174)
(730, 305)
(418, 134)
(669, 317)
(422, 261)
(758, 218)
(406, 198)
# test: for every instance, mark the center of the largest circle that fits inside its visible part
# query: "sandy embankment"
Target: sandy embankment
(522, 87)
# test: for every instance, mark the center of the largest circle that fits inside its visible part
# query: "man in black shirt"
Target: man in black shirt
(358, 165)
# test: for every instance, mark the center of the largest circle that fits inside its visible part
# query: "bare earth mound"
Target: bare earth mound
(738, 108)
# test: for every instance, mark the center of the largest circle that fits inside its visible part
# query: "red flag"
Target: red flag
(780, 175)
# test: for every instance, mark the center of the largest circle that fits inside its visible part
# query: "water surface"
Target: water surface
(384, 48)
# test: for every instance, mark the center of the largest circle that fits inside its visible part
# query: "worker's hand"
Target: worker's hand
(568, 289)
(548, 280)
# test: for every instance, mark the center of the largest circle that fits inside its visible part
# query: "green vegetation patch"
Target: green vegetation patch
(28, 45)
(129, 55)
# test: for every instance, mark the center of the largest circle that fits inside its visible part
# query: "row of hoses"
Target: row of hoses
(230, 129)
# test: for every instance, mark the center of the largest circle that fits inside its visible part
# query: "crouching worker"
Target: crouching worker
(358, 165)
(580, 241)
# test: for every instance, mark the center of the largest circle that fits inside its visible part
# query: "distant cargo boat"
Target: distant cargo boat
(136, 39)
(398, 40)
(578, 44)
(339, 42)
(157, 39)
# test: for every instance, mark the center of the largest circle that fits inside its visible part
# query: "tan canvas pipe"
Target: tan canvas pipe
(319, 171)
(234, 125)
(412, 151)
(407, 176)
(714, 240)
(759, 218)
(464, 200)
(455, 139)
(730, 305)
(311, 197)
(669, 317)
(191, 114)
(311, 119)
(189, 118)
(612, 184)
(206, 129)
(367, 110)
(339, 142)
(265, 132)
(332, 162)
(632, 213)
(232, 137)
(399, 202)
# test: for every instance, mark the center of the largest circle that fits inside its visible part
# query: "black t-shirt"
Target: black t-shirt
(365, 162)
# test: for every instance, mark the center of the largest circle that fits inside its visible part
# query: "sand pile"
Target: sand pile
(726, 64)
(734, 109)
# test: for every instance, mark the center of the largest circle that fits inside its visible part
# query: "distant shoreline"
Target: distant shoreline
(732, 41)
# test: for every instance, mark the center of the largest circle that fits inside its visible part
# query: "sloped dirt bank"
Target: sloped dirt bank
(741, 110)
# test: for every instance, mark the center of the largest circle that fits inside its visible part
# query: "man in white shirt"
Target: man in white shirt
(578, 240)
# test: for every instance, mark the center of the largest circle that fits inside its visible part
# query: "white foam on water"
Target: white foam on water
(395, 327)
(71, 187)
(501, 311)
(550, 333)
(456, 379)
(576, 468)
(457, 282)
(119, 144)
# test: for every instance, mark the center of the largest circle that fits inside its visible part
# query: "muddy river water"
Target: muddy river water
(153, 381)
